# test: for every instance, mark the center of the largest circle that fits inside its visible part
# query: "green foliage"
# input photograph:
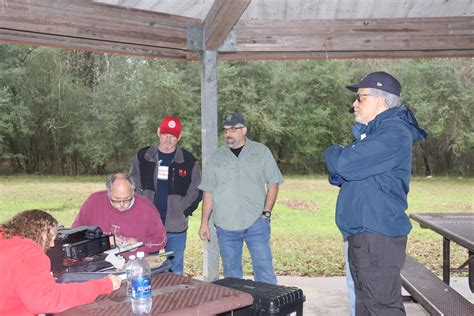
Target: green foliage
(305, 240)
(72, 112)
(442, 96)
(131, 97)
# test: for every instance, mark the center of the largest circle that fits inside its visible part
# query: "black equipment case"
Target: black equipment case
(268, 299)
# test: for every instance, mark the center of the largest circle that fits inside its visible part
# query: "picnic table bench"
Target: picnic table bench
(437, 297)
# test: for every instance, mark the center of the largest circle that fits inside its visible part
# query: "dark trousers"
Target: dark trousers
(375, 261)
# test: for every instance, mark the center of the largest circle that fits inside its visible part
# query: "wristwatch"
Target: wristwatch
(267, 214)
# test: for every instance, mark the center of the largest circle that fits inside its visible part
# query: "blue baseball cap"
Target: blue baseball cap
(378, 80)
(233, 119)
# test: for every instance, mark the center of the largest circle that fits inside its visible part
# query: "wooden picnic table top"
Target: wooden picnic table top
(173, 295)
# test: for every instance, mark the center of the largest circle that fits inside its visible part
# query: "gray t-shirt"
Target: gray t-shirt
(238, 184)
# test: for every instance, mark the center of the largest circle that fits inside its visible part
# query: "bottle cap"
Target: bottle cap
(140, 254)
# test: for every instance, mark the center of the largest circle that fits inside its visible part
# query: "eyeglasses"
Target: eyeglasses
(122, 201)
(231, 129)
(169, 137)
(361, 95)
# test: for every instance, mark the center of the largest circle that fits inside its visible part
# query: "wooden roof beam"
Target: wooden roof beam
(220, 20)
(84, 20)
(351, 38)
(97, 46)
(325, 55)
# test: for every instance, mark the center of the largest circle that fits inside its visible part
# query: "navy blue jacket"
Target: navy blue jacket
(376, 172)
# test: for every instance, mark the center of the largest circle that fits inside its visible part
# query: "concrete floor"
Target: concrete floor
(328, 296)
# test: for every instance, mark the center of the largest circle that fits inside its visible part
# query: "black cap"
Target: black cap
(378, 80)
(233, 119)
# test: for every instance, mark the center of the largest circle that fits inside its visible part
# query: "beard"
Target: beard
(231, 142)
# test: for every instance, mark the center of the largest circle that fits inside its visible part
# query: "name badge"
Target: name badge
(163, 173)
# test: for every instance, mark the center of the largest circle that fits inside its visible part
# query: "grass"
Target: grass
(305, 240)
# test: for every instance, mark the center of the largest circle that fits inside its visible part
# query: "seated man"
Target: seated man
(118, 211)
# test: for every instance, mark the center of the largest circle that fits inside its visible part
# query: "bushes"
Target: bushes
(68, 112)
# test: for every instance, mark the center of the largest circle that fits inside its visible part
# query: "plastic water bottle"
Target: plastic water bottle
(128, 270)
(141, 285)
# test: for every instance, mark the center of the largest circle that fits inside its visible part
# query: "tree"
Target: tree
(73, 112)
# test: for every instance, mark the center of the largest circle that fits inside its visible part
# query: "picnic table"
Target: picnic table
(426, 288)
(172, 295)
(455, 227)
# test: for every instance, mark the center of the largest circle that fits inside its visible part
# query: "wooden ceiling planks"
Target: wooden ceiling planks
(311, 9)
(354, 9)
(190, 8)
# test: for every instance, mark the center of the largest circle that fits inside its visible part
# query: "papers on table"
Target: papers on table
(120, 249)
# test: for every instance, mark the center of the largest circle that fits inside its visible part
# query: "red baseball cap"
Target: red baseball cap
(171, 125)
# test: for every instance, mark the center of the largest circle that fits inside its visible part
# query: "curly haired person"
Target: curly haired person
(26, 284)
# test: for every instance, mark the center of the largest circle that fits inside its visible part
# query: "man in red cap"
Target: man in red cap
(169, 176)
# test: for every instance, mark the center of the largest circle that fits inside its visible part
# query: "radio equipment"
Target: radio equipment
(77, 243)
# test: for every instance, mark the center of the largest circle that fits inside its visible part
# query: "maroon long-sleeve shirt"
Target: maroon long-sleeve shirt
(142, 221)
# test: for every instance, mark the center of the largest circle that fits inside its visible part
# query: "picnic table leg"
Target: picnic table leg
(446, 263)
(471, 270)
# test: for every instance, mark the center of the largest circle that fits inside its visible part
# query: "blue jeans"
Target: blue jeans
(349, 280)
(257, 238)
(177, 244)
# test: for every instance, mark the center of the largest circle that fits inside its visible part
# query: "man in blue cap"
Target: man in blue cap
(374, 174)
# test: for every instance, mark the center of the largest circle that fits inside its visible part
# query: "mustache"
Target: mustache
(351, 109)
